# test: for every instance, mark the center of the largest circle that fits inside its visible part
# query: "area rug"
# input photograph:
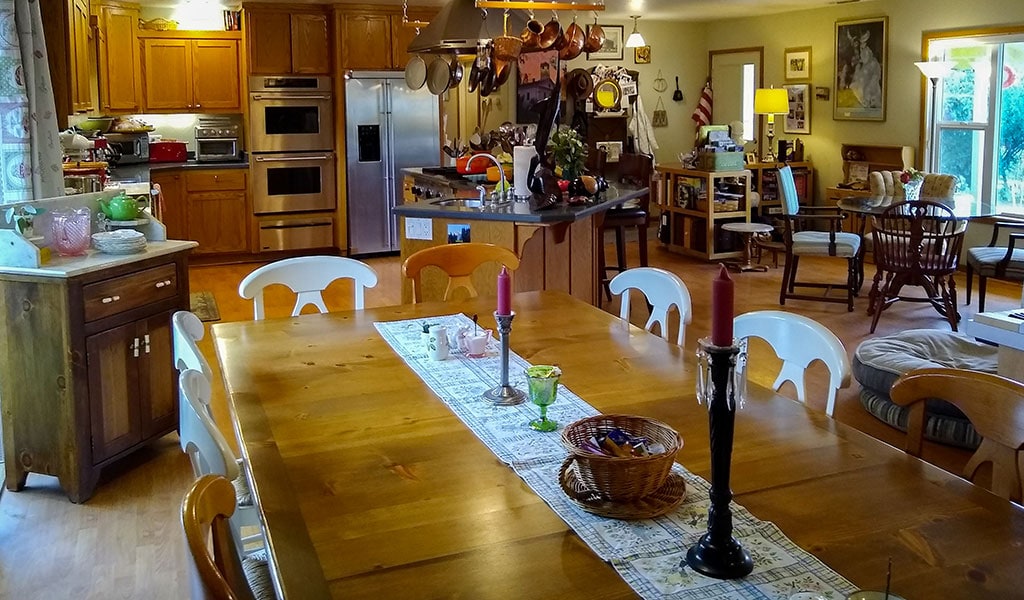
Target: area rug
(204, 305)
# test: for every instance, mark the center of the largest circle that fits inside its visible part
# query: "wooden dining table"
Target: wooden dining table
(370, 487)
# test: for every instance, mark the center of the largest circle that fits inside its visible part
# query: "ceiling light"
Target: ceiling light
(635, 40)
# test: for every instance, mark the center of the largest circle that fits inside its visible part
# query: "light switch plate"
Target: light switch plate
(419, 229)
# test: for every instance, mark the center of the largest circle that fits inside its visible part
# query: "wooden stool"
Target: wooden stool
(634, 169)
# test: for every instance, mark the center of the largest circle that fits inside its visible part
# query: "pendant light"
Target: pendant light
(635, 40)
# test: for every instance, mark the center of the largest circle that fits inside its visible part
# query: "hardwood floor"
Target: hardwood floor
(126, 543)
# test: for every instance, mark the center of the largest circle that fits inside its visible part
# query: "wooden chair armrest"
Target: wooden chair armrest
(1016, 225)
(820, 209)
(1005, 260)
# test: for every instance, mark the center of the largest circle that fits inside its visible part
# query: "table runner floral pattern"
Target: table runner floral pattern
(646, 553)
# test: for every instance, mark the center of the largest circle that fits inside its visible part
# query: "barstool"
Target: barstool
(634, 169)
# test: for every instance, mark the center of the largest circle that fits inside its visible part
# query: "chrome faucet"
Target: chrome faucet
(502, 192)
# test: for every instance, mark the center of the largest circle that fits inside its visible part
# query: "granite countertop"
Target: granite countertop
(470, 181)
(140, 172)
(94, 260)
(521, 212)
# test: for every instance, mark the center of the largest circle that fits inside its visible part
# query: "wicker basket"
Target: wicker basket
(622, 479)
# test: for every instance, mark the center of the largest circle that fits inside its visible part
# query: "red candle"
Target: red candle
(722, 309)
(504, 292)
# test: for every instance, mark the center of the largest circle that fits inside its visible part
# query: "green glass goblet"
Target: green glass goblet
(542, 382)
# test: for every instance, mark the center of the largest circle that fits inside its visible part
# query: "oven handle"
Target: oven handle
(259, 97)
(293, 158)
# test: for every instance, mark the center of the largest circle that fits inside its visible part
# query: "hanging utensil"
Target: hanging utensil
(415, 72)
(595, 37)
(659, 84)
(678, 94)
(438, 76)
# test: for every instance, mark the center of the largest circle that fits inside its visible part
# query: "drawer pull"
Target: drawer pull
(110, 299)
(145, 344)
(164, 283)
(135, 347)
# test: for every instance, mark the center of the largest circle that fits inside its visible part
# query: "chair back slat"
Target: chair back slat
(663, 290)
(307, 277)
(458, 261)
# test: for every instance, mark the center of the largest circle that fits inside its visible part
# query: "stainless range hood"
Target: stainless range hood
(460, 25)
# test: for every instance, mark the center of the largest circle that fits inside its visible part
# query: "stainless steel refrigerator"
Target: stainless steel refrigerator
(388, 127)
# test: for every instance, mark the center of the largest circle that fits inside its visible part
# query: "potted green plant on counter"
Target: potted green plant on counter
(570, 153)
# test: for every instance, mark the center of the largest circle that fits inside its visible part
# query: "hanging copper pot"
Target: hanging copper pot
(595, 38)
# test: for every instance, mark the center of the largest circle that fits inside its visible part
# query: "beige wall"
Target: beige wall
(905, 85)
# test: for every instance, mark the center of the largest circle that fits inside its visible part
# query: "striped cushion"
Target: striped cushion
(984, 258)
(257, 573)
(243, 493)
(816, 243)
(937, 428)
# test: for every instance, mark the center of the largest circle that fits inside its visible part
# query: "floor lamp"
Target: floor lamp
(933, 70)
(771, 102)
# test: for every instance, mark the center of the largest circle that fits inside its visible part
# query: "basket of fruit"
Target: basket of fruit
(623, 457)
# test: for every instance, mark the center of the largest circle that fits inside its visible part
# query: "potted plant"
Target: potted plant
(22, 216)
(569, 151)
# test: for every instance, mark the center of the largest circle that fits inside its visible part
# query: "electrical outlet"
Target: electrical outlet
(419, 229)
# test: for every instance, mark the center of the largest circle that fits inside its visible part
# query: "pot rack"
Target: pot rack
(539, 5)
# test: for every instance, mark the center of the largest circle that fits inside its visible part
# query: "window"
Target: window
(979, 131)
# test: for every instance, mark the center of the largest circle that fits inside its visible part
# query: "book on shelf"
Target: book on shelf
(1010, 320)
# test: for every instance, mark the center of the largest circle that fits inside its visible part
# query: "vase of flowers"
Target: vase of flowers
(912, 179)
(569, 151)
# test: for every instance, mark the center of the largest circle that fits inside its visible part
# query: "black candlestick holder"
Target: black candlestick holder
(721, 374)
(504, 394)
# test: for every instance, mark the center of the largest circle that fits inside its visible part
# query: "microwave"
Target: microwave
(130, 148)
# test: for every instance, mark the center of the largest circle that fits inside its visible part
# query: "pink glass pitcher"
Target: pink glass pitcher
(69, 231)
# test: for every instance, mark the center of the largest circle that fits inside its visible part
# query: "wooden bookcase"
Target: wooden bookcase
(697, 204)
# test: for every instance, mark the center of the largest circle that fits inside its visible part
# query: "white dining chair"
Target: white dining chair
(663, 290)
(308, 277)
(798, 341)
(210, 453)
(187, 331)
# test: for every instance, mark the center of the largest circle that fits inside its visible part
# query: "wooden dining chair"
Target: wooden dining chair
(916, 243)
(215, 570)
(458, 261)
(209, 453)
(1002, 262)
(308, 277)
(663, 290)
(801, 240)
(993, 404)
(798, 341)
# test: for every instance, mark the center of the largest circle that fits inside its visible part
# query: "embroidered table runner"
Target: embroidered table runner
(646, 553)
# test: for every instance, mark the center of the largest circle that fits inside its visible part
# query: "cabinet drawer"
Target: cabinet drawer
(201, 181)
(112, 296)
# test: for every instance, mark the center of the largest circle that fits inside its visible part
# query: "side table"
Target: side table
(748, 230)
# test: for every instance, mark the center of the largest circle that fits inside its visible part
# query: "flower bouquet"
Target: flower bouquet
(912, 180)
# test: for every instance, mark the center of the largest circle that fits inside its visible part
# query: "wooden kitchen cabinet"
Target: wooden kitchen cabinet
(170, 209)
(185, 74)
(120, 77)
(93, 377)
(280, 42)
(377, 40)
(69, 39)
(218, 216)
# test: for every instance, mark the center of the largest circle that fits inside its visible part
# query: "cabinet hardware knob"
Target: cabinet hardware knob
(163, 283)
(110, 299)
(146, 344)
(135, 347)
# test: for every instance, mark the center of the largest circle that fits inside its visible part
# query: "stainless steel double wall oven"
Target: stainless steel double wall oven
(292, 161)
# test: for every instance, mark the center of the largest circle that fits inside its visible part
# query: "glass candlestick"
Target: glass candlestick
(504, 394)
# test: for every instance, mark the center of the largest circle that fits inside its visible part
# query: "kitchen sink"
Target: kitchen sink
(468, 203)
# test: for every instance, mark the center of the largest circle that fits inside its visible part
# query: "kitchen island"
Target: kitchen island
(557, 247)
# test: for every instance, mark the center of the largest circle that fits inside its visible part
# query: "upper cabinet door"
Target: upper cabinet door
(402, 35)
(310, 46)
(168, 74)
(81, 88)
(215, 77)
(270, 42)
(366, 41)
(120, 87)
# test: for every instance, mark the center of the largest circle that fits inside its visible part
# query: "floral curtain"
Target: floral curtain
(30, 153)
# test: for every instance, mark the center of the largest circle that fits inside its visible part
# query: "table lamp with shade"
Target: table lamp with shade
(771, 102)
(933, 70)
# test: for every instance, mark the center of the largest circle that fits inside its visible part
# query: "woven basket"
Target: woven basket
(622, 479)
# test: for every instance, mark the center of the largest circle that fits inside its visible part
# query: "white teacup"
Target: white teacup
(437, 342)
(475, 344)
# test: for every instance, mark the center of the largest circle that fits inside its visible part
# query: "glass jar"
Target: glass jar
(69, 231)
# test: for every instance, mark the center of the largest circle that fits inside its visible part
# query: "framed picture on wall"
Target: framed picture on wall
(536, 73)
(798, 63)
(612, 47)
(861, 61)
(642, 55)
(799, 118)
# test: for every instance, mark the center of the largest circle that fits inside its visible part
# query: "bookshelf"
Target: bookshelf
(697, 203)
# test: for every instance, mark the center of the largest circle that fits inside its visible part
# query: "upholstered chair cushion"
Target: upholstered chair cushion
(935, 185)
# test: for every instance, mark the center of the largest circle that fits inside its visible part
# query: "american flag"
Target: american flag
(702, 114)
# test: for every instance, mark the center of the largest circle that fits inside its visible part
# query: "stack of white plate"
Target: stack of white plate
(119, 241)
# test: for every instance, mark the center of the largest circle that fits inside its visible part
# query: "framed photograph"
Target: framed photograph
(862, 48)
(799, 118)
(750, 158)
(613, 44)
(798, 63)
(821, 92)
(535, 81)
(642, 55)
(613, 150)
